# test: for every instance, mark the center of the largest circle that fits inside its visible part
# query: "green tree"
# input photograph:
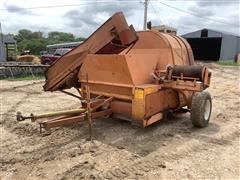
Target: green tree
(23, 34)
(36, 42)
(37, 35)
(80, 39)
(61, 36)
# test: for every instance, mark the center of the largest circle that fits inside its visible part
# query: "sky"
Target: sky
(82, 17)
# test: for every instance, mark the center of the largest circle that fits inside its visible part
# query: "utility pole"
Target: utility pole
(145, 14)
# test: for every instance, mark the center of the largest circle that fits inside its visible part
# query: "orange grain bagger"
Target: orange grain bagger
(136, 76)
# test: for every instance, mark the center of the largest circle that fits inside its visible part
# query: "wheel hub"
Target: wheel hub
(207, 109)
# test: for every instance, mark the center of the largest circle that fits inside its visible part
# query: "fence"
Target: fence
(13, 69)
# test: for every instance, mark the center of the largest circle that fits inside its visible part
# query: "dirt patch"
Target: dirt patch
(169, 149)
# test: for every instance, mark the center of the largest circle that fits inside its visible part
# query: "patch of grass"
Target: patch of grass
(24, 78)
(227, 63)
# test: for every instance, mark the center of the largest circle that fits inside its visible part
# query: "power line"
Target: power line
(110, 1)
(156, 13)
(140, 17)
(237, 1)
(45, 7)
(68, 5)
(193, 14)
(206, 1)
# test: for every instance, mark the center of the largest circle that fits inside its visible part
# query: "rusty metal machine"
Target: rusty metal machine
(135, 76)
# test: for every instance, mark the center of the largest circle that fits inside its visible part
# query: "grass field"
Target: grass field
(24, 78)
(227, 63)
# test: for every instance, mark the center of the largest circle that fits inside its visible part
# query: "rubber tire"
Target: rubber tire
(199, 100)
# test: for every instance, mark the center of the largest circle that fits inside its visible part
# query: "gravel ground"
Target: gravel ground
(169, 149)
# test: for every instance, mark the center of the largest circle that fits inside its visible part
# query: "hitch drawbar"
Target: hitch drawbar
(33, 117)
(95, 108)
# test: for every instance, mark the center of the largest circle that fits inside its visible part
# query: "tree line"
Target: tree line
(36, 41)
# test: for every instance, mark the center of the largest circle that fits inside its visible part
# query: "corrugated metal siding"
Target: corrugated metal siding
(214, 34)
(197, 34)
(2, 53)
(7, 39)
(238, 44)
(228, 48)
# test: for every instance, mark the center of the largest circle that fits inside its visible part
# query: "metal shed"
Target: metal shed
(8, 48)
(208, 44)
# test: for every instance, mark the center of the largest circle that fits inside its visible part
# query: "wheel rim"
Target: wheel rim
(207, 109)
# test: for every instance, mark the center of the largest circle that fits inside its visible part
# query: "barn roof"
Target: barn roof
(214, 30)
(224, 32)
(7, 39)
